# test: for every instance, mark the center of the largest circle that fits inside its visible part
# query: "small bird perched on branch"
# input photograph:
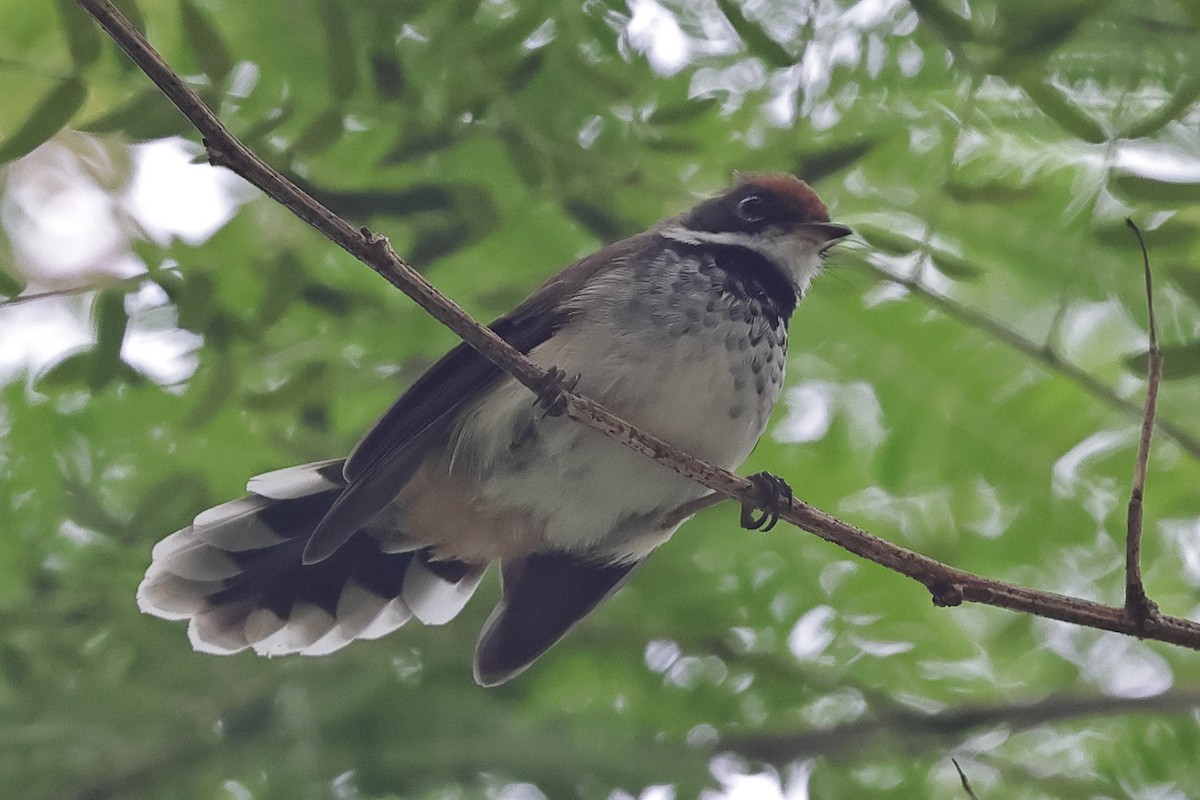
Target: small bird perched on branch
(680, 330)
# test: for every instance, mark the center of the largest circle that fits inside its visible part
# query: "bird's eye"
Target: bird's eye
(753, 208)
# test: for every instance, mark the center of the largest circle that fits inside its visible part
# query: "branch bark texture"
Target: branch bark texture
(948, 585)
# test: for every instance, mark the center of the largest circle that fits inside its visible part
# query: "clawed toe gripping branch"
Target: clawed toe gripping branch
(774, 497)
(948, 585)
(552, 396)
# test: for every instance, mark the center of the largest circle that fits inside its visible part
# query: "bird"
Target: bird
(681, 330)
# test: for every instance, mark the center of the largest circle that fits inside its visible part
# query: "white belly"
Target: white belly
(699, 391)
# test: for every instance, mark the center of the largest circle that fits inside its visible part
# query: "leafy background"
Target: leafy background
(961, 382)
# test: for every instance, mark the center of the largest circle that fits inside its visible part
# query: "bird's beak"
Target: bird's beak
(827, 232)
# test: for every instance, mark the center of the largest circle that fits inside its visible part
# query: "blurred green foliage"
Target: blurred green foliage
(957, 385)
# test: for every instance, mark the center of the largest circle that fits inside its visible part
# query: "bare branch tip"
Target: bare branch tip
(1138, 607)
(962, 776)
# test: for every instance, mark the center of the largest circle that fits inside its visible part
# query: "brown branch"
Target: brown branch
(949, 586)
(1137, 604)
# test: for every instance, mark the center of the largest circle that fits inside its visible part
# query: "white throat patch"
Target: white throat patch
(795, 254)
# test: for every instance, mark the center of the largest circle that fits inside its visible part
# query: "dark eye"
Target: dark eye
(753, 208)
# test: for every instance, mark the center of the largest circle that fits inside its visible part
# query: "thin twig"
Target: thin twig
(1137, 604)
(962, 776)
(72, 291)
(948, 585)
(1038, 352)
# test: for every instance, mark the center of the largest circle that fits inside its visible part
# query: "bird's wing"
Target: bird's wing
(422, 419)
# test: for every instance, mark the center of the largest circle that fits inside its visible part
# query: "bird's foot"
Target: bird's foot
(774, 495)
(550, 397)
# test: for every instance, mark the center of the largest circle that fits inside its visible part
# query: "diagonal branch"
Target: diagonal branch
(949, 586)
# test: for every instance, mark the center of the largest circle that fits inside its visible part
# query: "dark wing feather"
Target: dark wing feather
(422, 419)
(545, 594)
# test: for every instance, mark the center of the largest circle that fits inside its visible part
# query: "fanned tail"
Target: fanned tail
(236, 573)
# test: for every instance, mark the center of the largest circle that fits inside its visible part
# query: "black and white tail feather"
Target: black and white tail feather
(236, 572)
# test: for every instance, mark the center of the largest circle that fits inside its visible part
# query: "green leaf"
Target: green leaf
(88, 509)
(757, 42)
(111, 320)
(439, 237)
(255, 137)
(194, 297)
(223, 329)
(672, 144)
(213, 387)
(321, 133)
(419, 199)
(953, 266)
(340, 50)
(168, 504)
(1055, 104)
(1178, 361)
(461, 11)
(326, 298)
(510, 37)
(205, 42)
(951, 27)
(525, 158)
(1138, 188)
(10, 285)
(996, 192)
(48, 117)
(525, 71)
(388, 75)
(302, 386)
(417, 142)
(1032, 30)
(68, 372)
(281, 289)
(886, 240)
(82, 32)
(604, 78)
(683, 112)
(812, 167)
(1180, 102)
(245, 722)
(1115, 233)
(597, 219)
(1188, 279)
(146, 115)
